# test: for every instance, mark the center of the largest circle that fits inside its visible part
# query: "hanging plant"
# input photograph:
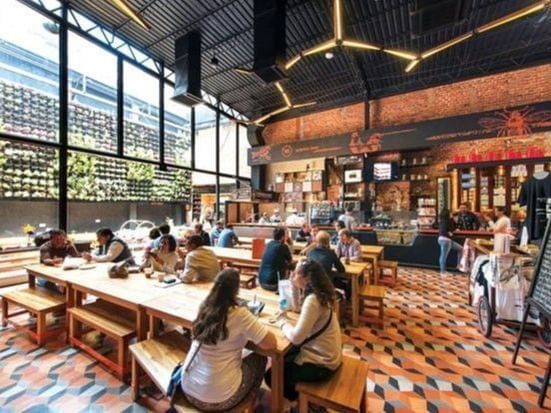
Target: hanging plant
(139, 171)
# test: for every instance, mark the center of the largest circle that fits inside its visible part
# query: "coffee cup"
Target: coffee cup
(148, 272)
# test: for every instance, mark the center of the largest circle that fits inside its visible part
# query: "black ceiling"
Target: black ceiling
(227, 29)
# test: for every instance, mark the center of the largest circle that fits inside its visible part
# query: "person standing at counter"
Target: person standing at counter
(215, 233)
(275, 261)
(293, 219)
(111, 248)
(503, 222)
(264, 219)
(275, 218)
(348, 219)
(468, 221)
(446, 226)
(349, 247)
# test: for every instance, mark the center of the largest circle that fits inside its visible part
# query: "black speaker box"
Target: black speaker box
(187, 68)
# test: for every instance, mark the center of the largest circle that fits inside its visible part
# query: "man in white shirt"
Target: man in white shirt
(350, 222)
(275, 218)
(111, 248)
(201, 264)
(503, 222)
(293, 219)
(349, 247)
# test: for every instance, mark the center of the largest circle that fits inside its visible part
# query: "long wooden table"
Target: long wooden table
(181, 304)
(354, 271)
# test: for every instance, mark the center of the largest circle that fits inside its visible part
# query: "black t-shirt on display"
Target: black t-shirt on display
(534, 194)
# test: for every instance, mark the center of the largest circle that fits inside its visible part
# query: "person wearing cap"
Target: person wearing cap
(215, 233)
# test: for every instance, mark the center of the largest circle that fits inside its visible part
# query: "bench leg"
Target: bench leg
(121, 355)
(40, 328)
(381, 311)
(363, 405)
(4, 312)
(303, 403)
(135, 379)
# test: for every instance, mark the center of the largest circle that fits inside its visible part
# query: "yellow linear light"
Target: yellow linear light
(411, 65)
(513, 16)
(279, 87)
(303, 105)
(399, 53)
(292, 62)
(320, 47)
(269, 115)
(359, 45)
(286, 99)
(243, 71)
(337, 12)
(126, 9)
(447, 45)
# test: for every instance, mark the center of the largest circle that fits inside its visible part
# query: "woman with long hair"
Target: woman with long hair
(216, 377)
(446, 226)
(316, 336)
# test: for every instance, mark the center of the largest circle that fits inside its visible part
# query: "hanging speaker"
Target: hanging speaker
(187, 69)
(254, 135)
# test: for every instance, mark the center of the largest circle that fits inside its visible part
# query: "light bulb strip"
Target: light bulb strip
(411, 65)
(126, 9)
(269, 115)
(359, 45)
(293, 61)
(511, 17)
(446, 45)
(320, 47)
(337, 23)
(399, 53)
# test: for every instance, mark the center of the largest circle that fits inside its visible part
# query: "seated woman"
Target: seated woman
(316, 336)
(216, 377)
(165, 258)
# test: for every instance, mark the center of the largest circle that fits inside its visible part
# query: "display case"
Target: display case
(396, 236)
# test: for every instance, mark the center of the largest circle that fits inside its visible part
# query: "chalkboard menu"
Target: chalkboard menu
(540, 292)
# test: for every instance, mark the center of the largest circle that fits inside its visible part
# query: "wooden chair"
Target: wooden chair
(109, 319)
(344, 391)
(371, 298)
(385, 267)
(38, 301)
(158, 357)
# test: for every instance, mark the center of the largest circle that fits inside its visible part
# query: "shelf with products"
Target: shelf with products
(426, 212)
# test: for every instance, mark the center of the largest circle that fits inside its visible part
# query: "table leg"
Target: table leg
(375, 271)
(32, 280)
(141, 324)
(70, 296)
(355, 300)
(277, 382)
(154, 323)
(4, 312)
(544, 385)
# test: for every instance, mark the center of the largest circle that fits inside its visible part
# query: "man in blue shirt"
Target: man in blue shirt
(227, 238)
(215, 233)
(275, 261)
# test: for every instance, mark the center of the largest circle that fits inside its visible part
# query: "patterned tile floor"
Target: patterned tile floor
(429, 357)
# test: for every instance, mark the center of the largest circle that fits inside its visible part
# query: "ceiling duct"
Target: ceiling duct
(428, 15)
(187, 69)
(269, 40)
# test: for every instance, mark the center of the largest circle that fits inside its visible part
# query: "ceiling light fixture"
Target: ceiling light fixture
(399, 53)
(320, 47)
(359, 45)
(214, 61)
(329, 55)
(243, 71)
(481, 29)
(126, 9)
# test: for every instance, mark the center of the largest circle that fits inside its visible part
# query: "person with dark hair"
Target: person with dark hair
(200, 263)
(215, 233)
(304, 234)
(54, 252)
(446, 226)
(338, 226)
(349, 247)
(348, 218)
(325, 256)
(503, 222)
(198, 230)
(275, 261)
(311, 243)
(164, 229)
(316, 336)
(165, 258)
(111, 248)
(216, 377)
(154, 233)
(468, 221)
(227, 238)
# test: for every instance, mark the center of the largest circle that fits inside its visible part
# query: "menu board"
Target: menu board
(540, 292)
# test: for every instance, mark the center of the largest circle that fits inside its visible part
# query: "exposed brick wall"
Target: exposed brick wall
(514, 88)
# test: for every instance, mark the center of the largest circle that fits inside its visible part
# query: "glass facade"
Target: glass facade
(105, 187)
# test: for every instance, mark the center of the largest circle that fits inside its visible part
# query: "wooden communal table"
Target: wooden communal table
(354, 271)
(181, 303)
(128, 293)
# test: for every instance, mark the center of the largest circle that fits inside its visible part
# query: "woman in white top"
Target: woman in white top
(165, 258)
(216, 376)
(316, 336)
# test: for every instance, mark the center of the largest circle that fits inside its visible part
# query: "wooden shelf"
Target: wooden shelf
(503, 162)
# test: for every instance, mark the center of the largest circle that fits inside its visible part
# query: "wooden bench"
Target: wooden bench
(374, 296)
(344, 391)
(391, 267)
(109, 319)
(157, 357)
(247, 280)
(37, 301)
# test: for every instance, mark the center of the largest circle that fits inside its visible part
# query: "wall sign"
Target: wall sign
(517, 121)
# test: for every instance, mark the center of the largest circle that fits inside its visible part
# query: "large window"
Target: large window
(29, 73)
(228, 142)
(141, 113)
(177, 130)
(244, 168)
(92, 95)
(205, 138)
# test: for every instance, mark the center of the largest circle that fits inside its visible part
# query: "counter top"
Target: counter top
(479, 233)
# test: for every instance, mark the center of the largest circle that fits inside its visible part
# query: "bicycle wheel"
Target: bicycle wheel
(544, 332)
(485, 318)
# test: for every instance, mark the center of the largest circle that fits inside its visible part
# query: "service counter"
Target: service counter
(416, 248)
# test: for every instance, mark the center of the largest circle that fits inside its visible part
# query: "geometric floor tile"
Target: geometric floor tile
(429, 357)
